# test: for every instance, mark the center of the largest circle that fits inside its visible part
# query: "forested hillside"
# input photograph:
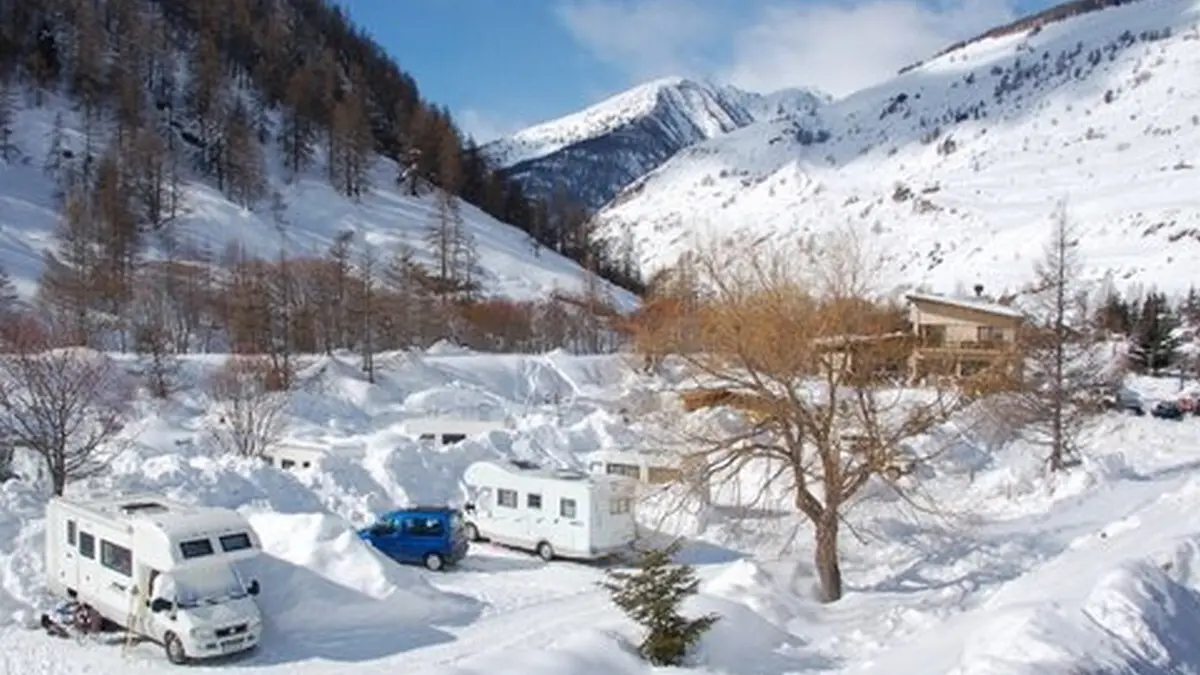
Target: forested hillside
(149, 95)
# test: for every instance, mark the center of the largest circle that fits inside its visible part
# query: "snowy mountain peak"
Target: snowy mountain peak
(599, 150)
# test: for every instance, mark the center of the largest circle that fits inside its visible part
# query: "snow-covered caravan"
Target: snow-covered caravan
(158, 568)
(449, 430)
(652, 468)
(554, 512)
(297, 455)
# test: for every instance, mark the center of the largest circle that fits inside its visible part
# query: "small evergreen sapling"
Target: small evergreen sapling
(651, 596)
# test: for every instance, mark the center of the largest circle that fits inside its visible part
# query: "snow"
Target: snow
(1094, 110)
(992, 567)
(976, 304)
(694, 111)
(383, 219)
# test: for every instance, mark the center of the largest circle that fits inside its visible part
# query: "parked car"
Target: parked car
(432, 536)
(1122, 399)
(1167, 410)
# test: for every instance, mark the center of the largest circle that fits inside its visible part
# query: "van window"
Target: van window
(423, 527)
(70, 533)
(116, 558)
(533, 501)
(87, 545)
(566, 508)
(306, 465)
(451, 439)
(426, 437)
(628, 470)
(287, 463)
(195, 548)
(619, 505)
(506, 498)
(235, 542)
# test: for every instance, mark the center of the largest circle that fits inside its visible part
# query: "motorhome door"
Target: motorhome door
(68, 564)
(571, 524)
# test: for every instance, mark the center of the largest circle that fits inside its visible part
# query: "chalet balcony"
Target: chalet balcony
(965, 348)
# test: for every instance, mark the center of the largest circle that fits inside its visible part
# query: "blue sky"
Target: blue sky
(504, 64)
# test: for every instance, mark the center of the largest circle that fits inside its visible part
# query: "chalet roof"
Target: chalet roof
(973, 304)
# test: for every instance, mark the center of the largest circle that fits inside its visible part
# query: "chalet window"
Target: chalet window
(195, 548)
(933, 336)
(533, 501)
(629, 470)
(70, 533)
(990, 334)
(507, 498)
(566, 508)
(87, 545)
(235, 542)
(116, 558)
(450, 439)
(619, 506)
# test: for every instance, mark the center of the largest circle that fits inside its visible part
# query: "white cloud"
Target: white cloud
(843, 47)
(838, 46)
(648, 38)
(483, 127)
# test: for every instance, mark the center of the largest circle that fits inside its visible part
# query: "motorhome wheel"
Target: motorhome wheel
(471, 531)
(545, 551)
(433, 561)
(174, 648)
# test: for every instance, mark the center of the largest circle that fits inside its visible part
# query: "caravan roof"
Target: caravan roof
(173, 522)
(527, 469)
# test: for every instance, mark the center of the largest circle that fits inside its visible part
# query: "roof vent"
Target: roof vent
(525, 464)
(143, 507)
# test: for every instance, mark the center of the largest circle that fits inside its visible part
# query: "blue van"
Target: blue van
(430, 536)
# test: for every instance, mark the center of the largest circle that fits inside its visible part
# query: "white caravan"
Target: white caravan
(449, 430)
(554, 512)
(299, 455)
(157, 568)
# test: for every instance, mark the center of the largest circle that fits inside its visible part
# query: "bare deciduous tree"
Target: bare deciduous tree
(1062, 356)
(66, 405)
(795, 348)
(250, 406)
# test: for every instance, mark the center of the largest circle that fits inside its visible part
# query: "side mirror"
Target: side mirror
(253, 588)
(159, 605)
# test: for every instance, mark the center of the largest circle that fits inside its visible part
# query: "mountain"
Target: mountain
(952, 167)
(595, 152)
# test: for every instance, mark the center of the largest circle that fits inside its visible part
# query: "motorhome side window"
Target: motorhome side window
(566, 508)
(70, 533)
(619, 505)
(627, 470)
(87, 545)
(533, 501)
(195, 548)
(116, 558)
(507, 498)
(235, 542)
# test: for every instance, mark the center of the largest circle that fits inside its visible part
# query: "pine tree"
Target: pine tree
(1155, 343)
(652, 596)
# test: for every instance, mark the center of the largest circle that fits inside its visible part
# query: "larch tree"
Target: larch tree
(1065, 371)
(798, 352)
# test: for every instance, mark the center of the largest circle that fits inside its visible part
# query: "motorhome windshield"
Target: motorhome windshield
(208, 585)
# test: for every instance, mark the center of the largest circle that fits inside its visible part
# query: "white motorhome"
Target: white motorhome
(157, 568)
(553, 512)
(300, 455)
(449, 430)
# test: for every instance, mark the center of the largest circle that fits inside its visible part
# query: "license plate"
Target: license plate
(232, 644)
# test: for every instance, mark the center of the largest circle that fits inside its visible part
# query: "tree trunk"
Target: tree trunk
(829, 571)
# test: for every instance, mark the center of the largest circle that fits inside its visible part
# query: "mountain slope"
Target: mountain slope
(954, 165)
(595, 152)
(384, 218)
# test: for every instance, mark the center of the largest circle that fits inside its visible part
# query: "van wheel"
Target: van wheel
(471, 531)
(545, 551)
(434, 561)
(174, 649)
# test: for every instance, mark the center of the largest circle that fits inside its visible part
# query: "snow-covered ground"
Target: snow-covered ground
(953, 167)
(386, 217)
(1013, 572)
